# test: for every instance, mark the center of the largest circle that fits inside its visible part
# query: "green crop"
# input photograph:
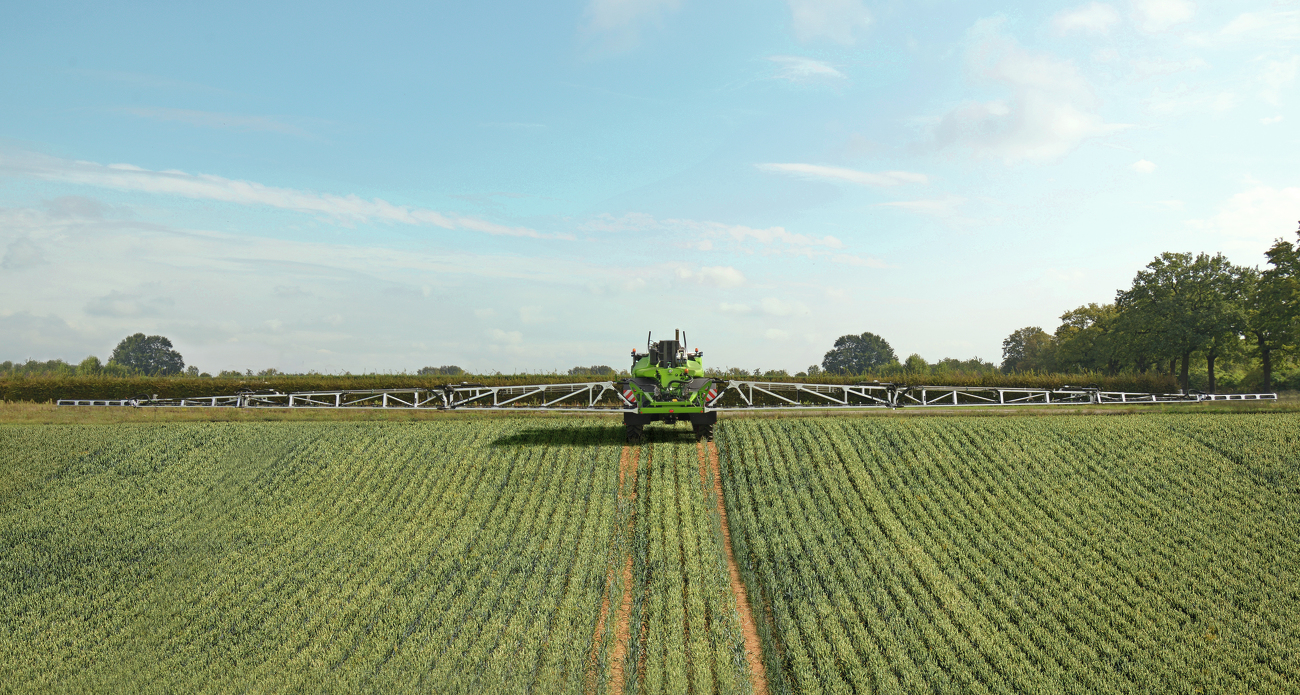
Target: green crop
(452, 557)
(689, 639)
(1069, 554)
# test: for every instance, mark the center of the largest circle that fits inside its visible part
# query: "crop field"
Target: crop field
(1141, 554)
(1134, 554)
(188, 558)
(690, 638)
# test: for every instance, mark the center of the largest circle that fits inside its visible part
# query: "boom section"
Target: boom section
(780, 395)
(702, 396)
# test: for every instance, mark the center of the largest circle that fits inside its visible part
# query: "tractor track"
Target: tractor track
(753, 647)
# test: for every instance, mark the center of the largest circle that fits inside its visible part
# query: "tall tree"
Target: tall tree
(1027, 349)
(1181, 301)
(152, 355)
(857, 354)
(1087, 339)
(1272, 305)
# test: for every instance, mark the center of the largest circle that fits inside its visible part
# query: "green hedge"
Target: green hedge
(44, 389)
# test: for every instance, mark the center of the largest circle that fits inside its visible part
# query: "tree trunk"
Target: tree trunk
(1173, 366)
(1182, 376)
(1266, 354)
(1209, 366)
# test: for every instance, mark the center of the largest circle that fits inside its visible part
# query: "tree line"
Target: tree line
(1181, 309)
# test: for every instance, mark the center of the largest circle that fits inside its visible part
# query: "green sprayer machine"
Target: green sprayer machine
(668, 384)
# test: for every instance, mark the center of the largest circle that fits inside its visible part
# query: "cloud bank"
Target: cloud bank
(346, 209)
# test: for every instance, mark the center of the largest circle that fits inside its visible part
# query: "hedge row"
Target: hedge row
(44, 389)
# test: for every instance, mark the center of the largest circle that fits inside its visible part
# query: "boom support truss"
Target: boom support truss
(730, 396)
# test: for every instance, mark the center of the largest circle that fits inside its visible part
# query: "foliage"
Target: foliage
(1027, 350)
(1182, 304)
(1272, 306)
(150, 355)
(445, 370)
(858, 354)
(1065, 554)
(597, 370)
(1181, 309)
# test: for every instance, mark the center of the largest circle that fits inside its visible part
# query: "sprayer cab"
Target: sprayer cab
(668, 385)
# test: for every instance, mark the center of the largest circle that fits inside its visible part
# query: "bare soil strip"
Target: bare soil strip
(622, 633)
(593, 660)
(622, 630)
(753, 649)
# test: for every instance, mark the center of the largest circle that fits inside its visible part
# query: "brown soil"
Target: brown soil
(593, 660)
(753, 649)
(627, 472)
(622, 633)
(622, 629)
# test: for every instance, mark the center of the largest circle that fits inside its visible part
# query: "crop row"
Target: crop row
(1065, 554)
(687, 636)
(456, 556)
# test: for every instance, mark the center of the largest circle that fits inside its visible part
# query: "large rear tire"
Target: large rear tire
(635, 434)
(703, 432)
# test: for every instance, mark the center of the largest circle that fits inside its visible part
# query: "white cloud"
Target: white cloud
(1183, 99)
(946, 208)
(151, 300)
(724, 277)
(1051, 111)
(863, 178)
(1257, 28)
(729, 308)
(771, 235)
(837, 20)
(1270, 120)
(349, 209)
(858, 261)
(22, 254)
(781, 307)
(699, 231)
(776, 334)
(1260, 214)
(1159, 15)
(1142, 166)
(619, 22)
(1276, 76)
(497, 335)
(210, 119)
(534, 315)
(1155, 67)
(799, 69)
(1093, 18)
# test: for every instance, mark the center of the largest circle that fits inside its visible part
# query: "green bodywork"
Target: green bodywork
(674, 393)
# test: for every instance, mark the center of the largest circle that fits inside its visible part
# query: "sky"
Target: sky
(378, 187)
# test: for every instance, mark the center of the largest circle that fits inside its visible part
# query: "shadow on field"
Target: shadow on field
(608, 435)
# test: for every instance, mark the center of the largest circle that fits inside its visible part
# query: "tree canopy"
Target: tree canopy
(445, 370)
(151, 355)
(856, 354)
(1179, 307)
(1028, 349)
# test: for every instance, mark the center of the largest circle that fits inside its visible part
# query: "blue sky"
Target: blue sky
(524, 186)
